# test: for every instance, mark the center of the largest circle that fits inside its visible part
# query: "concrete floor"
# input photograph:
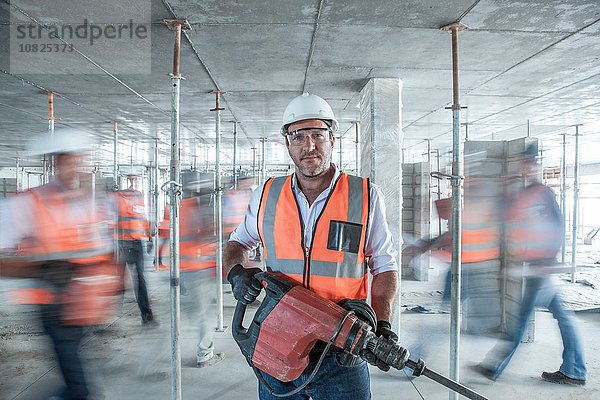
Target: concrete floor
(128, 361)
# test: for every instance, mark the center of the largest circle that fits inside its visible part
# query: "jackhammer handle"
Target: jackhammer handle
(238, 319)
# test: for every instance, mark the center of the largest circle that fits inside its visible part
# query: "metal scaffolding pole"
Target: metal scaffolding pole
(263, 160)
(219, 210)
(115, 155)
(235, 177)
(341, 152)
(356, 146)
(18, 176)
(155, 174)
(575, 206)
(563, 196)
(174, 190)
(456, 180)
(49, 164)
(254, 165)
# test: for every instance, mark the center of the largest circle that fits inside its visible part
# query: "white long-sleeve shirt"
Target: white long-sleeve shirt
(379, 245)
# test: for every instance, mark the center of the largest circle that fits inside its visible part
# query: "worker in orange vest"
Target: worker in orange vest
(535, 233)
(326, 230)
(197, 252)
(133, 227)
(59, 235)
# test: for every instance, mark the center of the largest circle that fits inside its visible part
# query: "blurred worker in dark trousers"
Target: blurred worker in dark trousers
(59, 234)
(197, 252)
(535, 233)
(132, 228)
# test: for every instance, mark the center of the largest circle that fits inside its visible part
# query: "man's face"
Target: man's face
(68, 167)
(310, 145)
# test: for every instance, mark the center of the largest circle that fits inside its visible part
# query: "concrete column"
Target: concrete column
(381, 139)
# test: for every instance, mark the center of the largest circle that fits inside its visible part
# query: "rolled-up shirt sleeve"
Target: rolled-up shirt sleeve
(379, 246)
(246, 233)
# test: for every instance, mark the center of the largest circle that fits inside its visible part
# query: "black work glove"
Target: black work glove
(384, 329)
(244, 285)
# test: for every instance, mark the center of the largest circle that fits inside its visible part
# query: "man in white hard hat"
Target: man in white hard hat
(56, 234)
(324, 229)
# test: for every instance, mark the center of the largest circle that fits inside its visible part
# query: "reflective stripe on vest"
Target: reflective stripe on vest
(532, 234)
(132, 224)
(59, 237)
(480, 235)
(332, 274)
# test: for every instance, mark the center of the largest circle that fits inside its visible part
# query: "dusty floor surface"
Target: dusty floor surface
(127, 361)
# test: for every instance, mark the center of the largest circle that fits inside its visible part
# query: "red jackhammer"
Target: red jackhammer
(290, 321)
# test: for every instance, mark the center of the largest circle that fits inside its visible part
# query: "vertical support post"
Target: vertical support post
(263, 160)
(563, 196)
(575, 206)
(341, 153)
(528, 129)
(456, 218)
(18, 176)
(234, 169)
(218, 210)
(175, 195)
(356, 147)
(439, 187)
(115, 155)
(49, 163)
(254, 165)
(155, 198)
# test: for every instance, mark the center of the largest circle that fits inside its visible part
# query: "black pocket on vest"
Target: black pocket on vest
(344, 236)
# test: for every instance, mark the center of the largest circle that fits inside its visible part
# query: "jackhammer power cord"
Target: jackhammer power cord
(315, 370)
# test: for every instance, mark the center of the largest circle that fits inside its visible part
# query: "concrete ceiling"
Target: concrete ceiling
(520, 61)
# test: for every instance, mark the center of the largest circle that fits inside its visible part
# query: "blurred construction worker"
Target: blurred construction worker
(58, 234)
(235, 204)
(480, 236)
(132, 228)
(325, 230)
(535, 233)
(197, 252)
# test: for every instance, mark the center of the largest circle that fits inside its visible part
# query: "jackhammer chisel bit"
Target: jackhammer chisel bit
(398, 357)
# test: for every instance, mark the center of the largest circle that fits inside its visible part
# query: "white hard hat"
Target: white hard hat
(63, 140)
(308, 106)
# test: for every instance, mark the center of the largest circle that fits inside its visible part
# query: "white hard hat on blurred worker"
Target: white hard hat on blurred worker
(63, 141)
(308, 106)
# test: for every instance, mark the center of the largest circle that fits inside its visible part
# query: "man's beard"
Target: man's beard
(316, 171)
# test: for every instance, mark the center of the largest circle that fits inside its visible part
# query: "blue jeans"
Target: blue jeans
(332, 382)
(539, 291)
(66, 341)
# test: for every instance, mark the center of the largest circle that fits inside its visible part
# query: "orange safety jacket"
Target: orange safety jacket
(87, 298)
(480, 234)
(532, 232)
(235, 204)
(132, 224)
(197, 242)
(325, 268)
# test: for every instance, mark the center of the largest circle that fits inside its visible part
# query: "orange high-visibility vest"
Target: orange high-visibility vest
(235, 204)
(480, 234)
(330, 272)
(532, 233)
(132, 224)
(78, 236)
(197, 242)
